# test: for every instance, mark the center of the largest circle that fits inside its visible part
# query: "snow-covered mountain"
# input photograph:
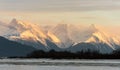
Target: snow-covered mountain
(26, 31)
(91, 38)
(61, 31)
(102, 37)
(68, 37)
(69, 34)
(30, 34)
(98, 41)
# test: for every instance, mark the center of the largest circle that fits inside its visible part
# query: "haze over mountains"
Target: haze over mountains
(61, 37)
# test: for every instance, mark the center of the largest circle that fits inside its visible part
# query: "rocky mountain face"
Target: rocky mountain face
(61, 37)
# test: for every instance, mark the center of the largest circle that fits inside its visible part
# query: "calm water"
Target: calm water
(48, 64)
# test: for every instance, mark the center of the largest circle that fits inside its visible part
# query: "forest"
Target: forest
(69, 55)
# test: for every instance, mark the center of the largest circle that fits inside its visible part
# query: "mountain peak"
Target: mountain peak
(93, 26)
(62, 25)
(62, 33)
(18, 22)
(14, 20)
(20, 25)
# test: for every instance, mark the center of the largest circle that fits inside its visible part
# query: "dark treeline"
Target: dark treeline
(68, 55)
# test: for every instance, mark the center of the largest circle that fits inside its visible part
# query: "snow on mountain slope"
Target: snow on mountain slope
(53, 38)
(77, 33)
(61, 36)
(27, 31)
(61, 31)
(70, 34)
(30, 34)
(102, 37)
(98, 41)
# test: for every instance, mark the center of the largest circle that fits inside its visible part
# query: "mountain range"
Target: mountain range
(19, 38)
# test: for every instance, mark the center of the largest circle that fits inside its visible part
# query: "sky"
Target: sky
(101, 12)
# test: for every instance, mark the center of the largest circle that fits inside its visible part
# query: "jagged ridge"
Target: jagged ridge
(62, 37)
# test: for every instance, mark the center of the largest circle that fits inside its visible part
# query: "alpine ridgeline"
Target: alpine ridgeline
(73, 38)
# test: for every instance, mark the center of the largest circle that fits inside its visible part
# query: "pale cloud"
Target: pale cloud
(92, 17)
(103, 12)
(59, 5)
